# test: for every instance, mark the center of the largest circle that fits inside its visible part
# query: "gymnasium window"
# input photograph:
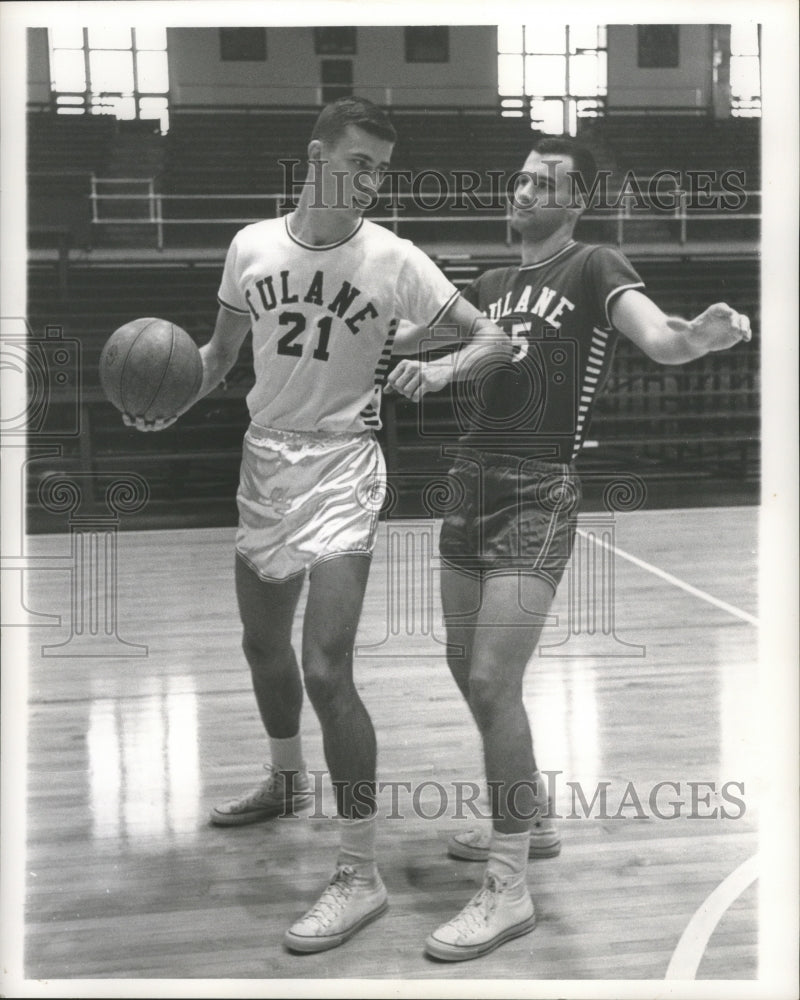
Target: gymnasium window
(745, 71)
(110, 71)
(552, 74)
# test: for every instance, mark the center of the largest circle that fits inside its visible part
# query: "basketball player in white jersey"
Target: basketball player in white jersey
(323, 290)
(505, 548)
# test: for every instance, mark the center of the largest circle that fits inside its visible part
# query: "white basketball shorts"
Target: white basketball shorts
(304, 497)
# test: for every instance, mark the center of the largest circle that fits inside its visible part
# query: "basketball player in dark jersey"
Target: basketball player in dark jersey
(504, 549)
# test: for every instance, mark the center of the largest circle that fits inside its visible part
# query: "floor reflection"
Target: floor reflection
(564, 723)
(144, 773)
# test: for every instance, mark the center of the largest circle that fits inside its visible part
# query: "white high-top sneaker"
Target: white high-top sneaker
(501, 910)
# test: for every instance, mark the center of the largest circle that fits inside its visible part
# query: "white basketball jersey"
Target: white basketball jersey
(324, 319)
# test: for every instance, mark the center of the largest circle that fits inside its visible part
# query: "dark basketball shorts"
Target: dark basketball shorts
(510, 515)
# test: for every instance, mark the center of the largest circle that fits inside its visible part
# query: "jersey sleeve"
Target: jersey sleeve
(230, 294)
(423, 292)
(608, 273)
(472, 293)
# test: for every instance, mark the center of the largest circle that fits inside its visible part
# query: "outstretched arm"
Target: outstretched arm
(411, 339)
(218, 355)
(672, 341)
(464, 322)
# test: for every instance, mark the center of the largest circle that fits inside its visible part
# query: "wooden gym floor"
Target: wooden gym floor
(124, 878)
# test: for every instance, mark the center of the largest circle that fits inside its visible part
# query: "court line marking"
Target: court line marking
(676, 582)
(691, 947)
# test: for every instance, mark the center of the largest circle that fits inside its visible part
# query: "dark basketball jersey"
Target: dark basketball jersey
(539, 403)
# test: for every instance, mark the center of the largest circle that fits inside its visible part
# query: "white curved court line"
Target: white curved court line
(737, 612)
(689, 951)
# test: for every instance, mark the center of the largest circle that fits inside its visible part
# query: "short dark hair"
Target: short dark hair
(582, 156)
(335, 117)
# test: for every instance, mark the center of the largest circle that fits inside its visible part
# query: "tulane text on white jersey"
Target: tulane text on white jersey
(324, 319)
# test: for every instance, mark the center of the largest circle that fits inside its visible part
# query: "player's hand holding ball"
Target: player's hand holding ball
(151, 370)
(159, 424)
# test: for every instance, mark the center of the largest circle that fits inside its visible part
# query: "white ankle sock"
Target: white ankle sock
(357, 845)
(287, 754)
(508, 856)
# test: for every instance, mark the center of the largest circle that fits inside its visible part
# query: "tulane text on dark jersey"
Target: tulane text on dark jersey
(539, 403)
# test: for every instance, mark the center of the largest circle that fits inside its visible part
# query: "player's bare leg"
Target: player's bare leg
(462, 600)
(267, 610)
(507, 629)
(335, 597)
(355, 895)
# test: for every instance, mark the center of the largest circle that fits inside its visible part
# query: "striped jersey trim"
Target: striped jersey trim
(327, 246)
(613, 294)
(370, 414)
(544, 263)
(233, 309)
(591, 381)
(441, 312)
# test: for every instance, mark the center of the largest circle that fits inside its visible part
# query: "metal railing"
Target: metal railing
(450, 209)
(149, 197)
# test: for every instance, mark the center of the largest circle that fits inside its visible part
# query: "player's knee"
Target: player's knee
(325, 681)
(263, 655)
(323, 689)
(489, 695)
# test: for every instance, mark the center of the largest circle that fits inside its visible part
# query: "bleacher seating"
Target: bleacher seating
(648, 143)
(701, 152)
(697, 420)
(233, 152)
(211, 160)
(191, 468)
(63, 151)
(77, 143)
(238, 152)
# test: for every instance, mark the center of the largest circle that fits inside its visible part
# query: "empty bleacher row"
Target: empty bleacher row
(239, 152)
(236, 152)
(62, 154)
(698, 420)
(648, 143)
(209, 160)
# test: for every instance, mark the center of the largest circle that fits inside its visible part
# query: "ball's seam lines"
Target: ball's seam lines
(166, 367)
(124, 363)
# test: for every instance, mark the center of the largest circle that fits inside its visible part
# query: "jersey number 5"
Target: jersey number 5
(519, 338)
(297, 322)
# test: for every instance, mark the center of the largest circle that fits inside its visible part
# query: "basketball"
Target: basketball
(150, 368)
